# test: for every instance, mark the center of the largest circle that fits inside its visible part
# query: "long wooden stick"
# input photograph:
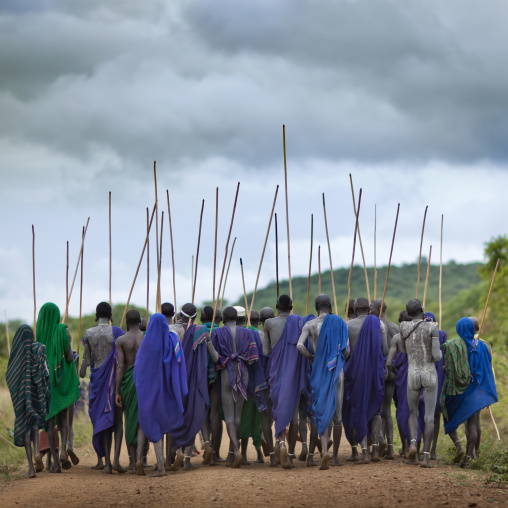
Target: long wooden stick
(139, 264)
(197, 251)
(77, 263)
(287, 210)
(360, 240)
(357, 230)
(319, 269)
(147, 263)
(192, 274)
(310, 262)
(375, 266)
(157, 298)
(227, 273)
(263, 253)
(225, 255)
(160, 262)
(441, 271)
(276, 256)
(427, 278)
(245, 294)
(330, 256)
(420, 256)
(33, 267)
(215, 246)
(81, 299)
(488, 299)
(495, 426)
(109, 248)
(172, 252)
(389, 263)
(67, 288)
(7, 334)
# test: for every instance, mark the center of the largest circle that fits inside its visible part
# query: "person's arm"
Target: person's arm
(384, 342)
(211, 350)
(436, 347)
(119, 372)
(86, 358)
(301, 341)
(395, 346)
(68, 353)
(265, 340)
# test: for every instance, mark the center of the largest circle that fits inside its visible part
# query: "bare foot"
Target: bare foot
(238, 460)
(99, 466)
(220, 459)
(158, 473)
(273, 463)
(310, 460)
(382, 449)
(458, 455)
(39, 466)
(276, 450)
(229, 460)
(107, 470)
(245, 462)
(55, 469)
(361, 462)
(260, 459)
(303, 454)
(389, 454)
(119, 469)
(465, 463)
(207, 456)
(335, 462)
(354, 457)
(178, 461)
(413, 462)
(433, 456)
(325, 461)
(411, 454)
(31, 474)
(66, 463)
(188, 466)
(329, 444)
(284, 459)
(73, 456)
(140, 470)
(375, 454)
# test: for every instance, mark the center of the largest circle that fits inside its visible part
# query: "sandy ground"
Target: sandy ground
(374, 485)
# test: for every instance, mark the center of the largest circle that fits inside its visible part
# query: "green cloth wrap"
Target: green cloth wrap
(251, 423)
(130, 405)
(456, 368)
(62, 374)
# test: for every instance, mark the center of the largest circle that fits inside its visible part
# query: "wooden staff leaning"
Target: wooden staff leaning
(245, 293)
(78, 261)
(80, 301)
(310, 263)
(157, 299)
(420, 255)
(389, 263)
(277, 256)
(172, 252)
(66, 317)
(287, 211)
(427, 278)
(359, 239)
(215, 245)
(227, 273)
(375, 266)
(197, 251)
(33, 269)
(109, 248)
(441, 270)
(357, 214)
(225, 254)
(263, 254)
(147, 263)
(330, 256)
(137, 270)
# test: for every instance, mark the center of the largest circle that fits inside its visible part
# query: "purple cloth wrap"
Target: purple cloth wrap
(364, 380)
(257, 380)
(197, 402)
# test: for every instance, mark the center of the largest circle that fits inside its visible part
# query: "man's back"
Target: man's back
(100, 342)
(129, 344)
(353, 327)
(273, 329)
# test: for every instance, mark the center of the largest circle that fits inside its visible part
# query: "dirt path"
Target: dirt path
(374, 485)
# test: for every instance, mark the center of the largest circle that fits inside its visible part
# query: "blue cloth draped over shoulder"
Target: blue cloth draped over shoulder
(364, 380)
(197, 402)
(257, 380)
(161, 380)
(288, 372)
(481, 392)
(328, 363)
(101, 406)
(246, 351)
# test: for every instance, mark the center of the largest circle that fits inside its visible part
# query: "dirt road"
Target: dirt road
(374, 485)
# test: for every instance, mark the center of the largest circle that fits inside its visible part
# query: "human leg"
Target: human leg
(63, 424)
(302, 430)
(55, 467)
(430, 397)
(386, 411)
(159, 453)
(139, 452)
(118, 429)
(27, 441)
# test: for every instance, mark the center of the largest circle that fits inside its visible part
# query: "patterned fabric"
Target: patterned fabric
(212, 373)
(130, 404)
(28, 381)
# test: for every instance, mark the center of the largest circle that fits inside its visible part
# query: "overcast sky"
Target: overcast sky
(410, 97)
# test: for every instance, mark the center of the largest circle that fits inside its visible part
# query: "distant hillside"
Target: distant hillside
(401, 286)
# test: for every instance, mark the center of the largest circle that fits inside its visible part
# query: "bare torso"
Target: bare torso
(272, 332)
(98, 342)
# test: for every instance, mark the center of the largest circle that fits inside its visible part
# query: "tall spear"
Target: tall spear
(375, 267)
(245, 294)
(360, 240)
(319, 268)
(420, 256)
(109, 249)
(157, 299)
(192, 274)
(441, 270)
(77, 263)
(147, 263)
(330, 256)
(172, 251)
(276, 256)
(137, 270)
(357, 214)
(287, 210)
(215, 246)
(227, 273)
(389, 263)
(160, 261)
(263, 254)
(427, 278)
(67, 288)
(197, 251)
(81, 300)
(33, 265)
(310, 262)
(225, 254)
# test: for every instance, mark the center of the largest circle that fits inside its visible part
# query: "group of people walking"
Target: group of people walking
(173, 379)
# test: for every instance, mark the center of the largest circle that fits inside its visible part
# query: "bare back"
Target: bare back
(273, 329)
(127, 346)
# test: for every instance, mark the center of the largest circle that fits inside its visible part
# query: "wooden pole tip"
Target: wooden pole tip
(240, 260)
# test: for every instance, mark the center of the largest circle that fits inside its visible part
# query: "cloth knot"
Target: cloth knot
(234, 356)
